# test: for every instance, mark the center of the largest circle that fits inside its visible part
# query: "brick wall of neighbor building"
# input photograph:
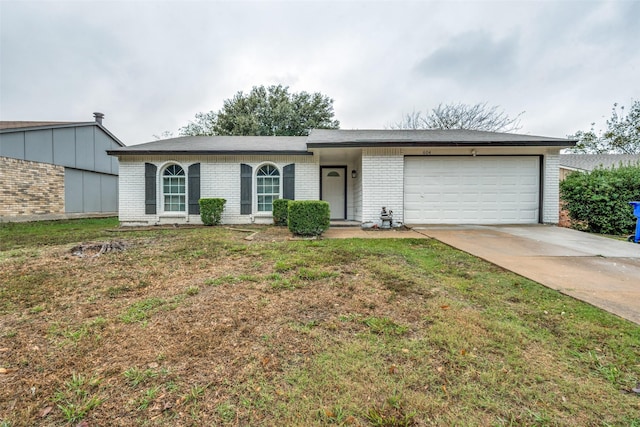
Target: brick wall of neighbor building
(31, 188)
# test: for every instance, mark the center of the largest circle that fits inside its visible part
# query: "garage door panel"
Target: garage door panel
(471, 190)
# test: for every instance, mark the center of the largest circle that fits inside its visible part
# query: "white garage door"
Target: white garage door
(471, 190)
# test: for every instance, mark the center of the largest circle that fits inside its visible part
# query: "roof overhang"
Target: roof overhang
(129, 152)
(431, 144)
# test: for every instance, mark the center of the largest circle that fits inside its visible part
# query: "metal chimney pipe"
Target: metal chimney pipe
(98, 117)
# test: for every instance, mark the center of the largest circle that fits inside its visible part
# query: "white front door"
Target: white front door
(333, 185)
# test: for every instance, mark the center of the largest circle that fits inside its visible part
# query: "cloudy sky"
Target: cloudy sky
(150, 66)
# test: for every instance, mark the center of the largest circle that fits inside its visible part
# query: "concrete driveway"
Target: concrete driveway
(601, 271)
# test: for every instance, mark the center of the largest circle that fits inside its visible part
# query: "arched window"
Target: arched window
(173, 189)
(268, 187)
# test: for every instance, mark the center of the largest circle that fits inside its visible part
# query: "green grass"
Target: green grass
(331, 332)
(142, 310)
(73, 334)
(78, 397)
(15, 235)
(136, 376)
(147, 398)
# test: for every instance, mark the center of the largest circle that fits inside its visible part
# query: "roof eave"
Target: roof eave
(560, 144)
(58, 126)
(209, 152)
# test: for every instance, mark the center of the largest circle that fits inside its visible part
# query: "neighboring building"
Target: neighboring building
(424, 176)
(587, 162)
(54, 170)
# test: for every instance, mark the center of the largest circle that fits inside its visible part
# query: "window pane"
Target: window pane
(173, 188)
(174, 203)
(267, 187)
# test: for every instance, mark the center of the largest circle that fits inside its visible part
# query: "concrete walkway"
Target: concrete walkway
(598, 270)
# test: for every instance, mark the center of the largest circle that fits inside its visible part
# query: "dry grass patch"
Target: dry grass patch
(201, 327)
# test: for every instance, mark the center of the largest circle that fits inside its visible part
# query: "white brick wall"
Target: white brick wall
(356, 190)
(131, 193)
(307, 181)
(382, 183)
(219, 177)
(551, 188)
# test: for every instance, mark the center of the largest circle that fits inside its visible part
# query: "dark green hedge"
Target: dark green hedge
(308, 217)
(211, 210)
(281, 211)
(599, 201)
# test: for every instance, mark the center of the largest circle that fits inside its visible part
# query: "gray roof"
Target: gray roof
(30, 124)
(23, 126)
(439, 137)
(231, 145)
(322, 138)
(589, 162)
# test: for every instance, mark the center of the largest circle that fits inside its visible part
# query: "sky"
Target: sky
(150, 66)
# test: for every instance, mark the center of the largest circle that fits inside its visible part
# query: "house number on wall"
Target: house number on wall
(426, 152)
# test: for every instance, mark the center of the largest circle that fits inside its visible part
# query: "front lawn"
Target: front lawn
(201, 327)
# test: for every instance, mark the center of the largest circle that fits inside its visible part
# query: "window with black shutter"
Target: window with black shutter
(150, 204)
(289, 182)
(194, 189)
(246, 175)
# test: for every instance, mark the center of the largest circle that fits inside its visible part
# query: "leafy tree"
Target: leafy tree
(461, 116)
(266, 111)
(203, 124)
(621, 137)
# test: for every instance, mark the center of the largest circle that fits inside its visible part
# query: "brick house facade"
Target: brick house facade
(487, 177)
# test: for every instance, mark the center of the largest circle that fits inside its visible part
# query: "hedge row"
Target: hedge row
(308, 217)
(598, 201)
(281, 211)
(304, 217)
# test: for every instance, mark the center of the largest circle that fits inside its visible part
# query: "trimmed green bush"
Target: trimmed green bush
(281, 211)
(211, 210)
(599, 201)
(308, 217)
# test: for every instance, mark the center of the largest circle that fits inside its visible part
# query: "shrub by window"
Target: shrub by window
(211, 210)
(281, 211)
(308, 217)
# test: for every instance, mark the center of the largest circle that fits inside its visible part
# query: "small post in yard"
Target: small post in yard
(636, 212)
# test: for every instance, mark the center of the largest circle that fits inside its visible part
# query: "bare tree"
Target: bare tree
(166, 134)
(461, 116)
(622, 135)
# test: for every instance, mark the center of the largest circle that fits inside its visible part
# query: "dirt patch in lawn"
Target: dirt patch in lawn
(203, 327)
(178, 314)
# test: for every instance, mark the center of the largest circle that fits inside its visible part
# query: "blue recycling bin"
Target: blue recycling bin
(636, 212)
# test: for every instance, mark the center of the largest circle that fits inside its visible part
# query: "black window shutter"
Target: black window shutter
(194, 189)
(289, 182)
(246, 177)
(150, 188)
